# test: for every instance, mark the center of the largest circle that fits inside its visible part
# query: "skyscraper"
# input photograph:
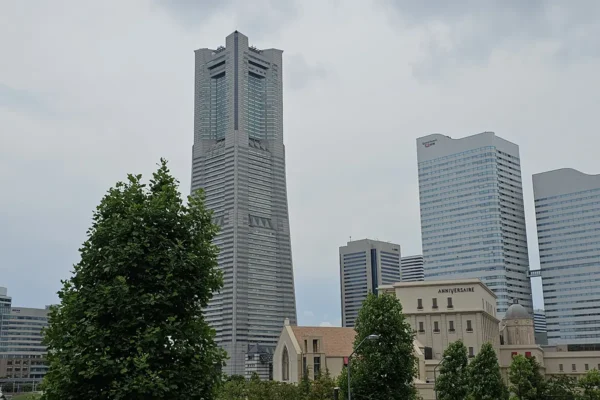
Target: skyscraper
(567, 213)
(472, 214)
(412, 268)
(364, 266)
(239, 161)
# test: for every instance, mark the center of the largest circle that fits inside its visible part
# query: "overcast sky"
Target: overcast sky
(93, 90)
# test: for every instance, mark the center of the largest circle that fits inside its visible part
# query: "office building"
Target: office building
(22, 354)
(239, 161)
(567, 212)
(472, 214)
(364, 266)
(539, 322)
(412, 268)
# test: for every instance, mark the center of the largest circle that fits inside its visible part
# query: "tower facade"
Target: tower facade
(239, 161)
(364, 266)
(412, 268)
(567, 213)
(472, 214)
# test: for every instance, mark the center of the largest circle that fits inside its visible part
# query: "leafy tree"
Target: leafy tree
(561, 387)
(485, 377)
(590, 385)
(130, 323)
(537, 379)
(322, 387)
(521, 376)
(452, 382)
(382, 369)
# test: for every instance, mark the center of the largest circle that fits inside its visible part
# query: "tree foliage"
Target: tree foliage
(562, 387)
(521, 376)
(537, 379)
(590, 385)
(255, 389)
(452, 383)
(130, 323)
(485, 378)
(383, 369)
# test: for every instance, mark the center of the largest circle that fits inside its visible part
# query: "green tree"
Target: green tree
(537, 379)
(590, 385)
(561, 387)
(485, 378)
(130, 323)
(382, 369)
(452, 383)
(521, 376)
(322, 387)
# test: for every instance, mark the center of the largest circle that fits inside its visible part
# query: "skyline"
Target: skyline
(521, 87)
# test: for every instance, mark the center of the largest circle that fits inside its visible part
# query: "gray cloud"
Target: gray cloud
(22, 100)
(465, 32)
(299, 74)
(257, 19)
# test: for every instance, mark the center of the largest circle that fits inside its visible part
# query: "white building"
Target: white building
(567, 210)
(472, 214)
(239, 160)
(412, 268)
(364, 266)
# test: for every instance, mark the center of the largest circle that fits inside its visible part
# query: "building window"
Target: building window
(317, 366)
(528, 354)
(304, 370)
(574, 367)
(434, 301)
(450, 305)
(421, 328)
(419, 304)
(315, 346)
(436, 327)
(285, 365)
(471, 352)
(587, 367)
(306, 346)
(469, 326)
(560, 367)
(451, 326)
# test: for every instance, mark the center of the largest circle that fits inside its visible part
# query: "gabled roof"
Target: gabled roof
(335, 342)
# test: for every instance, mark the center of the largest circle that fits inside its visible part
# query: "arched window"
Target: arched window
(285, 365)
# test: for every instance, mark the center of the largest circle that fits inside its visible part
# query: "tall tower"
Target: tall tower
(364, 266)
(412, 268)
(239, 161)
(567, 213)
(472, 214)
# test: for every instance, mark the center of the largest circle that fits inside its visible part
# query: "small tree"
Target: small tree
(383, 369)
(537, 379)
(521, 376)
(590, 385)
(130, 323)
(484, 376)
(322, 387)
(452, 383)
(561, 387)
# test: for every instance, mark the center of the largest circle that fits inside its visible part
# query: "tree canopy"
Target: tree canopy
(452, 383)
(130, 323)
(382, 369)
(485, 378)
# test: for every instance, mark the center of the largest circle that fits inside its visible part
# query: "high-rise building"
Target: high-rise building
(472, 214)
(539, 323)
(22, 353)
(364, 266)
(567, 212)
(239, 161)
(412, 268)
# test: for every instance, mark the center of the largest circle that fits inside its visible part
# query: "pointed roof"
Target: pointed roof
(335, 341)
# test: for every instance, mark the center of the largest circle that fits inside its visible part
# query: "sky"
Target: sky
(92, 91)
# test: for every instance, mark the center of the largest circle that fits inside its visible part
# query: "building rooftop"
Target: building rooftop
(517, 311)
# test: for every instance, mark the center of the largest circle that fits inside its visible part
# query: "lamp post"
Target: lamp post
(370, 337)
(435, 377)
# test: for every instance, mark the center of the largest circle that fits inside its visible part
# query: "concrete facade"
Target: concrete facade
(567, 210)
(364, 266)
(22, 354)
(412, 268)
(472, 213)
(239, 160)
(441, 312)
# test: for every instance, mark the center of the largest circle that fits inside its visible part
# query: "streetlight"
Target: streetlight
(435, 377)
(370, 337)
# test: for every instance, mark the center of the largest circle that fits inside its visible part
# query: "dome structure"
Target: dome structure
(517, 311)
